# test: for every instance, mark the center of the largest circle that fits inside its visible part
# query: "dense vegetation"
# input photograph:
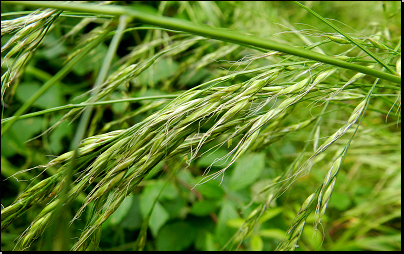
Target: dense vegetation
(201, 125)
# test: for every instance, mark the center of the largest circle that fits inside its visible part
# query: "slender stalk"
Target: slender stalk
(81, 105)
(61, 242)
(210, 32)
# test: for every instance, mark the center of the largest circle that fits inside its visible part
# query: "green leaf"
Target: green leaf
(52, 49)
(160, 70)
(223, 231)
(159, 215)
(51, 98)
(175, 237)
(273, 233)
(379, 243)
(199, 76)
(119, 108)
(92, 62)
(256, 243)
(211, 189)
(205, 241)
(312, 238)
(176, 207)
(270, 213)
(13, 141)
(56, 137)
(151, 192)
(208, 159)
(121, 212)
(133, 219)
(143, 8)
(210, 244)
(11, 145)
(248, 169)
(203, 208)
(184, 175)
(158, 218)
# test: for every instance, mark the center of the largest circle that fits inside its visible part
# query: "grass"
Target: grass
(258, 116)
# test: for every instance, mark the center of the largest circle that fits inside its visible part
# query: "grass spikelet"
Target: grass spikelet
(31, 30)
(294, 235)
(338, 39)
(341, 131)
(290, 243)
(326, 190)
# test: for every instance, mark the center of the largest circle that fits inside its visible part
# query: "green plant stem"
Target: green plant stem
(210, 32)
(70, 106)
(98, 82)
(60, 242)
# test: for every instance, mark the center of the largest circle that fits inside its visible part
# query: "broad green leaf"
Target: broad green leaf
(256, 243)
(211, 189)
(11, 145)
(209, 158)
(205, 241)
(14, 141)
(133, 219)
(52, 50)
(92, 62)
(312, 237)
(158, 218)
(151, 192)
(223, 231)
(203, 208)
(248, 169)
(210, 243)
(199, 76)
(273, 233)
(147, 198)
(154, 171)
(169, 192)
(176, 207)
(27, 128)
(57, 135)
(270, 213)
(51, 98)
(159, 215)
(160, 70)
(119, 108)
(184, 175)
(176, 236)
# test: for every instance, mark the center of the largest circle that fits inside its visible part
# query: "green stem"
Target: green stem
(60, 242)
(70, 106)
(210, 32)
(123, 21)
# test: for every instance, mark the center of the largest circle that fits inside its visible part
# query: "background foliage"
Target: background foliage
(364, 212)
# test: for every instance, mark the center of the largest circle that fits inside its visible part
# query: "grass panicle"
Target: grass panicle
(205, 103)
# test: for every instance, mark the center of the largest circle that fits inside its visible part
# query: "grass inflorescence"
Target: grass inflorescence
(250, 105)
